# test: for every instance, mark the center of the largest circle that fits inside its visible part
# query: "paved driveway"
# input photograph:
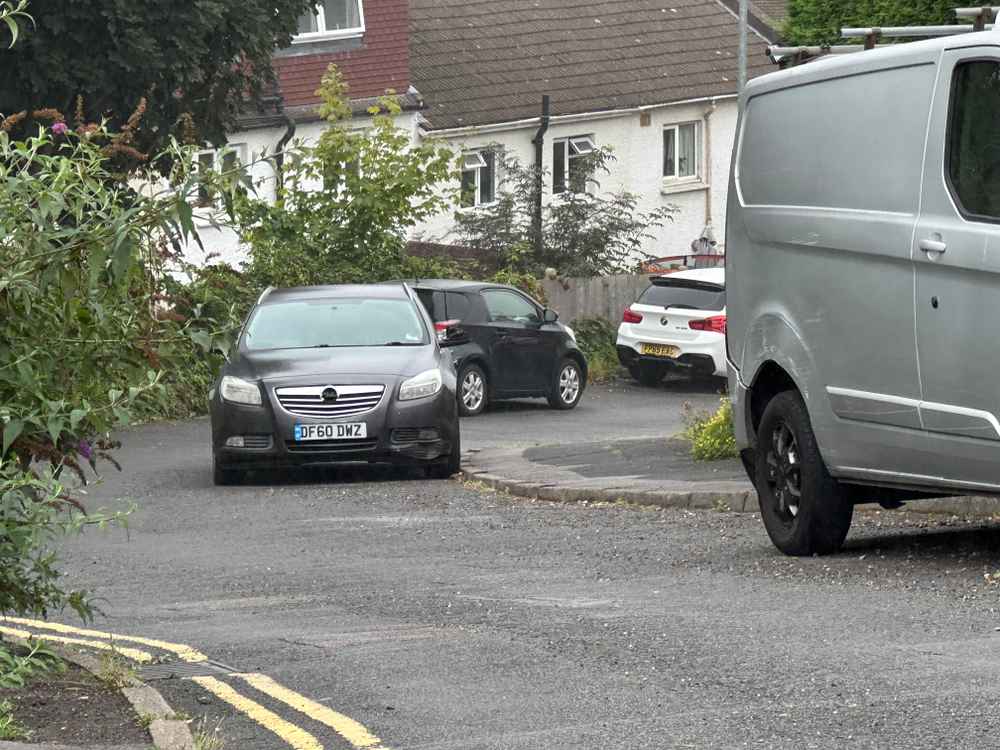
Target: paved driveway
(442, 617)
(607, 412)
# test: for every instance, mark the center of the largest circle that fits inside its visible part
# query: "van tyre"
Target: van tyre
(473, 391)
(805, 510)
(567, 387)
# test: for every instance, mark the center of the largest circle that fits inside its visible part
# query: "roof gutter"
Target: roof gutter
(528, 122)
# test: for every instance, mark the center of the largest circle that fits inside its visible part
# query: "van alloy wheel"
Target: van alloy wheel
(784, 472)
(804, 509)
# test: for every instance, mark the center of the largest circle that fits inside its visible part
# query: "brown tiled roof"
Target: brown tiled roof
(477, 62)
(771, 12)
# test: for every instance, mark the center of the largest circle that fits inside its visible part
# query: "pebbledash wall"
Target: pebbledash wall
(638, 167)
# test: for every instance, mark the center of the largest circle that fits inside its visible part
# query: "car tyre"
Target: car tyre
(223, 477)
(805, 510)
(473, 391)
(451, 466)
(567, 386)
(651, 374)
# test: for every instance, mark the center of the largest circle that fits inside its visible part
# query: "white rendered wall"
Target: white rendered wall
(638, 167)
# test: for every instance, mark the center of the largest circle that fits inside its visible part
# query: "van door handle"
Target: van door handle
(929, 245)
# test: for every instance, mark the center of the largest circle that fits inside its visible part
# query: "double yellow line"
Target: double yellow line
(299, 739)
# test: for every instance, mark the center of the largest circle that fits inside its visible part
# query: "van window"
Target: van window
(973, 148)
(685, 294)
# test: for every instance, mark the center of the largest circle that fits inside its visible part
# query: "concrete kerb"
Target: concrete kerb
(497, 469)
(167, 731)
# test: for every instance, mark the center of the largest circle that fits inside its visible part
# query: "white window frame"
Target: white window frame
(574, 147)
(693, 181)
(324, 35)
(473, 160)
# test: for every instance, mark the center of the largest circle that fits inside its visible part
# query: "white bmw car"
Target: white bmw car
(679, 322)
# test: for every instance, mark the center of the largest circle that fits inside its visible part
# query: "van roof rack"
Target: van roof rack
(982, 19)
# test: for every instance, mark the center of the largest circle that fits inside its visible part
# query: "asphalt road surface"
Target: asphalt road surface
(440, 616)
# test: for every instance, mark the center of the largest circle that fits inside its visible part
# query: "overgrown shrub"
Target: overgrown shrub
(711, 435)
(86, 332)
(345, 205)
(596, 338)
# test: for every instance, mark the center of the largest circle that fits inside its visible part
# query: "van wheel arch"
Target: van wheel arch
(770, 380)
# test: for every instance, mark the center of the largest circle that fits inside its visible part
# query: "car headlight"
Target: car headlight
(421, 386)
(571, 332)
(240, 391)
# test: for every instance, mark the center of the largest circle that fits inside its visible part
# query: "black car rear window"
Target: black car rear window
(458, 306)
(434, 302)
(685, 294)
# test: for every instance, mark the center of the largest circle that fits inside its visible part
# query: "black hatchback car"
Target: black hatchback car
(505, 344)
(335, 374)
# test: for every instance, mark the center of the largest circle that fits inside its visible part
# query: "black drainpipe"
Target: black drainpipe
(539, 141)
(279, 155)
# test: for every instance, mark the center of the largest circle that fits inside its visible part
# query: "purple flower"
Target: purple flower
(60, 128)
(84, 449)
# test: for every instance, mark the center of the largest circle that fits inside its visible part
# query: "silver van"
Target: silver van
(863, 268)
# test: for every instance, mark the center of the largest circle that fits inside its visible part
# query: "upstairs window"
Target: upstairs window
(569, 167)
(479, 178)
(681, 152)
(332, 19)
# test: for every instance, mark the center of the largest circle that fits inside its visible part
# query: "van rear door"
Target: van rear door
(956, 255)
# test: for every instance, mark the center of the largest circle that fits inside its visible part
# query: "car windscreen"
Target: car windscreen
(318, 323)
(686, 294)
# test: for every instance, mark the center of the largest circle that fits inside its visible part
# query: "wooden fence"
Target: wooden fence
(600, 297)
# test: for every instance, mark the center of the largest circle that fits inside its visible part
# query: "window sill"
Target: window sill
(669, 186)
(474, 209)
(328, 36)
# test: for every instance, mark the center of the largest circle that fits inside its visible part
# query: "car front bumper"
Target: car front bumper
(418, 432)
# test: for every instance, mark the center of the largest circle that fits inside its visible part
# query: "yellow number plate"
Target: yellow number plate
(661, 350)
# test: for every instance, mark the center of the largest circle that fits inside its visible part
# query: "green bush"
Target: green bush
(596, 338)
(711, 435)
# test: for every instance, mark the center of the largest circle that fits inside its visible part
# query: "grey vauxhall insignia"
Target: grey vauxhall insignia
(334, 374)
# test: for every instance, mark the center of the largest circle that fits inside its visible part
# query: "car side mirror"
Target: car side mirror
(550, 316)
(451, 334)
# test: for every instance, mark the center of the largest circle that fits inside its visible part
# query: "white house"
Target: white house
(654, 80)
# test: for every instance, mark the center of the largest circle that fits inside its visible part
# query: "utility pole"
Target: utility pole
(744, 12)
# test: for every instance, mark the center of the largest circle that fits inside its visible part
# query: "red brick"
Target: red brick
(381, 63)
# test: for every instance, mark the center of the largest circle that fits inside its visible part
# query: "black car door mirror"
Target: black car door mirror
(452, 335)
(550, 316)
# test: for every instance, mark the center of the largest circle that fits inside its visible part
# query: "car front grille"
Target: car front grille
(351, 400)
(332, 447)
(257, 442)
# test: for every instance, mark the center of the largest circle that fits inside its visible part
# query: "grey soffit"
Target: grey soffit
(410, 102)
(478, 62)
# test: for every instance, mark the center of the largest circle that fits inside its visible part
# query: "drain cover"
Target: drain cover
(183, 670)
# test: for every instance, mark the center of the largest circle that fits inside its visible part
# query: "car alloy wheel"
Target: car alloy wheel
(473, 391)
(784, 472)
(569, 383)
